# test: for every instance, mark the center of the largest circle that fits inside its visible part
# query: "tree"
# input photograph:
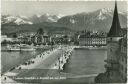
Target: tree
(4, 42)
(40, 31)
(14, 35)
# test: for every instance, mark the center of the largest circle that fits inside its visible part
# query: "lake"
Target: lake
(11, 59)
(86, 62)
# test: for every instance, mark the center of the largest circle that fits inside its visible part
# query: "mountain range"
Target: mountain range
(99, 20)
(18, 20)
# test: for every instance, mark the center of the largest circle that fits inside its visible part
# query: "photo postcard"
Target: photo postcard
(63, 42)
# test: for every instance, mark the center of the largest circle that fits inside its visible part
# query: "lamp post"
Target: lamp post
(59, 66)
(59, 63)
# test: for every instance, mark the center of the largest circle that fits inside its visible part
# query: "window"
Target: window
(122, 59)
(110, 39)
(110, 49)
(126, 60)
(122, 67)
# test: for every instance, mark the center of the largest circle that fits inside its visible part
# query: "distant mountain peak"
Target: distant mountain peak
(38, 15)
(106, 10)
(60, 15)
(19, 21)
(45, 18)
(15, 19)
(104, 13)
(47, 14)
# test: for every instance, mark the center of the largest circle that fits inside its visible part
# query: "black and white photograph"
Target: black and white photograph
(63, 42)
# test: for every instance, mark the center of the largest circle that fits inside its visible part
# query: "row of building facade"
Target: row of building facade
(92, 41)
(38, 39)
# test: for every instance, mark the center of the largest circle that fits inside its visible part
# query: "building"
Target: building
(8, 39)
(24, 39)
(116, 62)
(57, 40)
(41, 39)
(5, 38)
(123, 58)
(46, 39)
(92, 41)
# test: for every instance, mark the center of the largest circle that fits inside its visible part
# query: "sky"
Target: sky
(29, 8)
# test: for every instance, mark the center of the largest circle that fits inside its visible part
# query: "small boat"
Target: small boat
(22, 47)
(12, 48)
(26, 48)
(102, 47)
(81, 47)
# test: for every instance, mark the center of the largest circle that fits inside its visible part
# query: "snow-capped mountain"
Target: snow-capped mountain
(20, 19)
(14, 19)
(45, 18)
(103, 12)
(98, 20)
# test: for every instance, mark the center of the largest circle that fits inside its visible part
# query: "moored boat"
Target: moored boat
(25, 47)
(22, 47)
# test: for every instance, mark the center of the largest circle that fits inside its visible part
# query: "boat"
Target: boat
(89, 47)
(44, 47)
(102, 47)
(11, 48)
(25, 47)
(81, 47)
(22, 47)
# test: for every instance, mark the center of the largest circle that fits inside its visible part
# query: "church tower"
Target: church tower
(114, 35)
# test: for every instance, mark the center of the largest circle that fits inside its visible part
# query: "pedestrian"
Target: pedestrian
(19, 68)
(4, 78)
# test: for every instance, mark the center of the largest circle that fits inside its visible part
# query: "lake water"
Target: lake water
(14, 58)
(86, 62)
